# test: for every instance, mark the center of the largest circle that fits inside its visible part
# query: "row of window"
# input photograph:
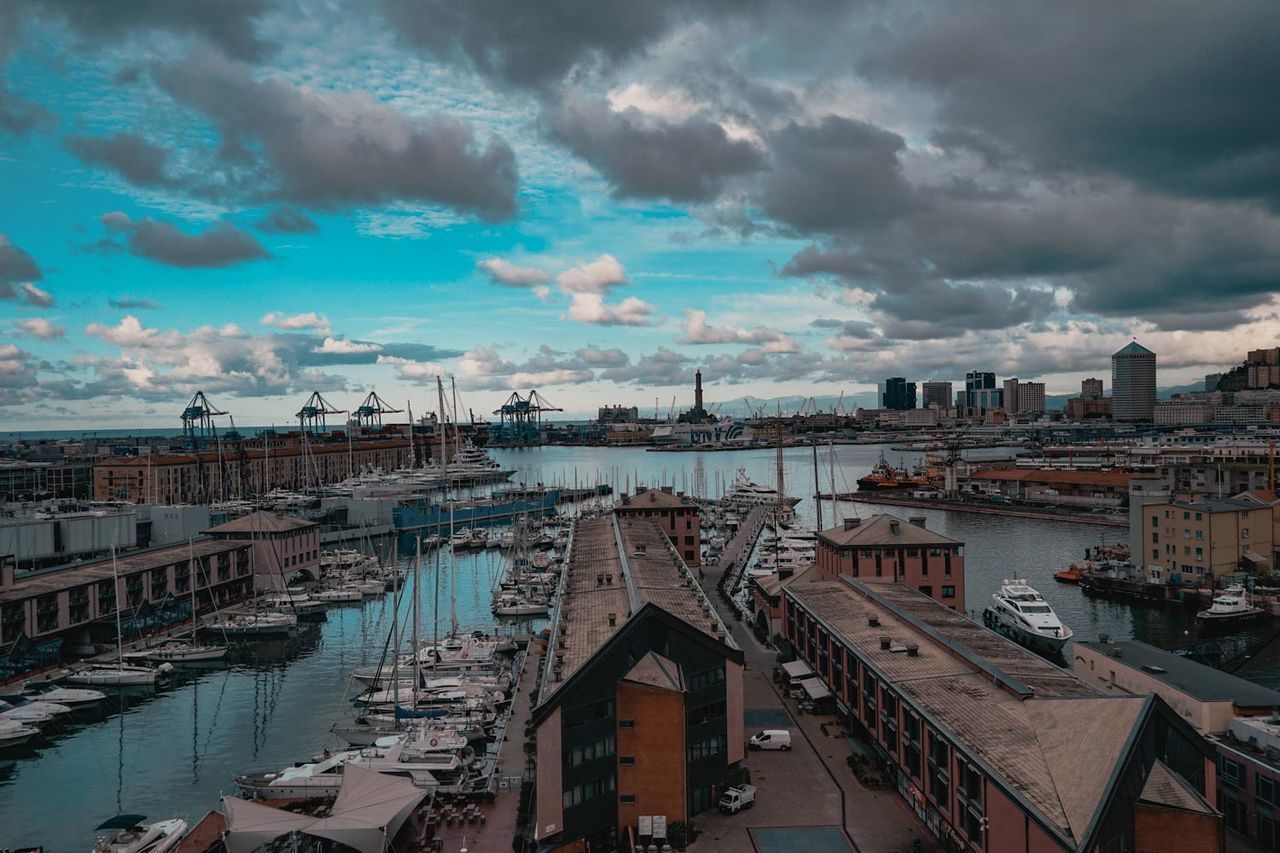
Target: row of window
(588, 713)
(706, 713)
(883, 711)
(587, 791)
(590, 751)
(706, 678)
(707, 748)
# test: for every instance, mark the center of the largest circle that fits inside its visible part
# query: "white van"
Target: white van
(771, 739)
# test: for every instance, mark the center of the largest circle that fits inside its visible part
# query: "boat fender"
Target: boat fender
(435, 742)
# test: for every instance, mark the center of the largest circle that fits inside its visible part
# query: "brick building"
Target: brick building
(674, 512)
(282, 546)
(640, 708)
(888, 549)
(1204, 538)
(992, 746)
(239, 472)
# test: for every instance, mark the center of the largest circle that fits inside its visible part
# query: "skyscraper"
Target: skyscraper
(899, 394)
(937, 393)
(1133, 383)
(1091, 389)
(980, 391)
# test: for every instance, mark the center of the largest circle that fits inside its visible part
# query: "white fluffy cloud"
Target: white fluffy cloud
(594, 276)
(697, 331)
(505, 272)
(292, 322)
(39, 327)
(346, 346)
(591, 308)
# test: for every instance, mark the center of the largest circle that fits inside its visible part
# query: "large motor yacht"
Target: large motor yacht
(1022, 615)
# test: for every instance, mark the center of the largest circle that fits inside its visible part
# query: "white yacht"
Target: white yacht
(68, 696)
(30, 712)
(179, 651)
(14, 733)
(443, 771)
(1233, 604)
(745, 494)
(127, 833)
(1022, 615)
(254, 625)
(119, 674)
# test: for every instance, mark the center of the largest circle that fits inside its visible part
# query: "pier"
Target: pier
(1100, 519)
(733, 560)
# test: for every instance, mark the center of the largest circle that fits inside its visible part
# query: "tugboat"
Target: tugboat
(1233, 604)
(1022, 615)
(884, 477)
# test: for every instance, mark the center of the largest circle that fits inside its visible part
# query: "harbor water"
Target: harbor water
(172, 751)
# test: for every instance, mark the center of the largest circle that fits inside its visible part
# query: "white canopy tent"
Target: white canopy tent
(797, 669)
(368, 812)
(815, 689)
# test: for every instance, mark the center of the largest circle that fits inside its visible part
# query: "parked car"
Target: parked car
(734, 800)
(771, 739)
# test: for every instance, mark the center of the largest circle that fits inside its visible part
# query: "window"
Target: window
(627, 799)
(1266, 788)
(627, 760)
(707, 747)
(706, 678)
(939, 770)
(1186, 516)
(927, 589)
(911, 743)
(1200, 534)
(948, 592)
(1244, 533)
(579, 794)
(1231, 772)
(583, 753)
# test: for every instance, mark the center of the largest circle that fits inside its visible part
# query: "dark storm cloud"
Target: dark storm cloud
(230, 25)
(836, 174)
(326, 149)
(531, 44)
(15, 264)
(220, 245)
(1179, 96)
(17, 115)
(286, 220)
(647, 157)
(134, 158)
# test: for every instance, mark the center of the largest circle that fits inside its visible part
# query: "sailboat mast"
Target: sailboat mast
(817, 483)
(444, 457)
(191, 570)
(115, 583)
(417, 592)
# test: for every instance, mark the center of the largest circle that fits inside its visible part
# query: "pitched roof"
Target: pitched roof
(1168, 789)
(1132, 348)
(261, 521)
(881, 530)
(656, 671)
(652, 499)
(1181, 673)
(1020, 717)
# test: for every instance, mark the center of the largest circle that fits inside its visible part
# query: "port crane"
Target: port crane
(520, 418)
(370, 412)
(199, 430)
(311, 417)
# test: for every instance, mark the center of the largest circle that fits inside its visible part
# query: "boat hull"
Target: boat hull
(1028, 639)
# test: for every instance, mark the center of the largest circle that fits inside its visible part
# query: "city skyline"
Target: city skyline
(259, 200)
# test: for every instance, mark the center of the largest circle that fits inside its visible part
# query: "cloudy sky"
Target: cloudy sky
(259, 198)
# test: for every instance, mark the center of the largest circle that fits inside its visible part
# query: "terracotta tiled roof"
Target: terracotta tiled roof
(652, 499)
(1065, 478)
(884, 530)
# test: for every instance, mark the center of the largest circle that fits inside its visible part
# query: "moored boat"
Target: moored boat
(1022, 615)
(1233, 604)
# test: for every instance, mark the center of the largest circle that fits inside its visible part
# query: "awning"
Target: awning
(1255, 557)
(368, 812)
(797, 669)
(815, 689)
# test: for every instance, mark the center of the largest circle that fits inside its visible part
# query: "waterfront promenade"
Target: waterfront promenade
(733, 560)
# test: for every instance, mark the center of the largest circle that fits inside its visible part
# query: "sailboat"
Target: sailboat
(183, 651)
(119, 674)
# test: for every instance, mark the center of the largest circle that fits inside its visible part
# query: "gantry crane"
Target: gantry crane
(311, 417)
(520, 418)
(370, 412)
(199, 429)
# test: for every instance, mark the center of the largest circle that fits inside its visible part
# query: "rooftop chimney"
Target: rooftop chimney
(850, 523)
(913, 650)
(894, 525)
(885, 643)
(613, 619)
(873, 621)
(917, 520)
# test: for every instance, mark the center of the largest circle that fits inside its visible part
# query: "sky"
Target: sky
(264, 198)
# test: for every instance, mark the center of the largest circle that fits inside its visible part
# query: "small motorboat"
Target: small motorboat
(15, 733)
(33, 712)
(127, 833)
(250, 626)
(1233, 604)
(68, 696)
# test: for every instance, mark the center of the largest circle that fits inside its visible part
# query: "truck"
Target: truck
(734, 800)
